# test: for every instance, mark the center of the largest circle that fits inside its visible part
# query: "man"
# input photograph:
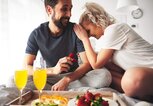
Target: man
(56, 40)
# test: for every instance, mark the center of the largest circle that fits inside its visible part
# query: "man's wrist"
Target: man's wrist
(51, 70)
(67, 79)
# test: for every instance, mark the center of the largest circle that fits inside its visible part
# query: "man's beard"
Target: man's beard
(62, 22)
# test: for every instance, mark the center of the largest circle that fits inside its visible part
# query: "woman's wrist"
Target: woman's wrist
(85, 40)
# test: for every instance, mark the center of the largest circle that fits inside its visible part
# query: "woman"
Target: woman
(121, 44)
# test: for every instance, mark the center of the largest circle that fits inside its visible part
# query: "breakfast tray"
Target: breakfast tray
(29, 96)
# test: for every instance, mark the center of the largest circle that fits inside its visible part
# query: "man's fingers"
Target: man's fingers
(55, 88)
(66, 60)
(65, 66)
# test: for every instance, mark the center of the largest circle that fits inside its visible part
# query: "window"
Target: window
(17, 20)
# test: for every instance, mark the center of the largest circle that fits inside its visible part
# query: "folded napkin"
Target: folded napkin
(7, 94)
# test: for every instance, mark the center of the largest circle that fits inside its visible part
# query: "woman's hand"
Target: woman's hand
(80, 32)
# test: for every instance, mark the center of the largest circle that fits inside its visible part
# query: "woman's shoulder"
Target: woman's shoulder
(118, 28)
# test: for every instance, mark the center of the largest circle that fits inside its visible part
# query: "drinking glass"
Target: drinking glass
(39, 75)
(20, 78)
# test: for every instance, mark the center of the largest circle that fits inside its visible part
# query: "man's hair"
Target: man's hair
(51, 3)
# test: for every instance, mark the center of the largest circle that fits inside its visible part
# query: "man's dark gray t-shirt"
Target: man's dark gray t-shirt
(54, 48)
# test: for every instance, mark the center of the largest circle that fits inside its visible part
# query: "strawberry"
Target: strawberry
(81, 101)
(74, 60)
(97, 96)
(89, 96)
(88, 102)
(71, 55)
(104, 103)
(89, 99)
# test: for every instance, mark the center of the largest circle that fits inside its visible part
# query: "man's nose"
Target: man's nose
(68, 14)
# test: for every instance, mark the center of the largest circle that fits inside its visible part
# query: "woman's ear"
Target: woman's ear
(49, 9)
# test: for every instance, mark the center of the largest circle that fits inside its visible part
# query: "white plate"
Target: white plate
(111, 102)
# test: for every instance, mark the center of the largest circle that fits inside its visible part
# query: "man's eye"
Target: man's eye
(64, 9)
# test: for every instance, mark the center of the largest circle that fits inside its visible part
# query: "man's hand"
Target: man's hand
(61, 85)
(63, 65)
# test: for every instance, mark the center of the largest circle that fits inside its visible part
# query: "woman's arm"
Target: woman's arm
(96, 60)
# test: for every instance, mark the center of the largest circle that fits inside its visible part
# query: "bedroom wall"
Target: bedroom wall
(19, 17)
(143, 25)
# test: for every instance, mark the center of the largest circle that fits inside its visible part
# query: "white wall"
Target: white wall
(144, 24)
(109, 6)
(19, 17)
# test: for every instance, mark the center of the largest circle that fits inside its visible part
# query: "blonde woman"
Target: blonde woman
(121, 44)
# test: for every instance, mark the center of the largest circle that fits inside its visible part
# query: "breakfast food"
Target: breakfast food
(50, 100)
(90, 99)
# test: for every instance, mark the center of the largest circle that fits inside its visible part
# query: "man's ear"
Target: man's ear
(49, 9)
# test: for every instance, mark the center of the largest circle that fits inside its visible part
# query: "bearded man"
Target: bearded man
(55, 40)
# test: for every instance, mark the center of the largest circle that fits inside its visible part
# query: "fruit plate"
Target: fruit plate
(111, 102)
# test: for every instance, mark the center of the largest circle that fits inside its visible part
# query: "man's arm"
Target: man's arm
(61, 66)
(28, 63)
(78, 73)
(81, 70)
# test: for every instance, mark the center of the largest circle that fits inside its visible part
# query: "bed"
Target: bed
(9, 93)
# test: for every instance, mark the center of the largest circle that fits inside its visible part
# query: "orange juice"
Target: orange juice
(20, 78)
(39, 78)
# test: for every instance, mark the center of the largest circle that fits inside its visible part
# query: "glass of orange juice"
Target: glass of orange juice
(40, 74)
(20, 79)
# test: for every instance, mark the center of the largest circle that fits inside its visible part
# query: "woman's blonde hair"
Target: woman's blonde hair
(97, 15)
